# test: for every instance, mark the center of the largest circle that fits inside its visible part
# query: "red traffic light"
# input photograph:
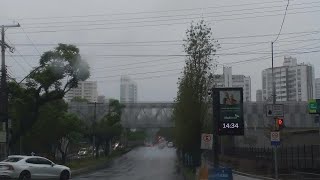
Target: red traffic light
(280, 124)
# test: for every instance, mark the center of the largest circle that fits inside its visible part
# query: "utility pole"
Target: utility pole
(93, 123)
(274, 118)
(4, 91)
(216, 145)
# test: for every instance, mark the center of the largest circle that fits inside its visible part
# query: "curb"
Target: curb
(252, 175)
(95, 167)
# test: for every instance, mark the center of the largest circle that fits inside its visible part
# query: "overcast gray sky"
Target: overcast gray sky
(157, 27)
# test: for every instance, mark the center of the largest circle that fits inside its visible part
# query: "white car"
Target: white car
(32, 167)
(170, 144)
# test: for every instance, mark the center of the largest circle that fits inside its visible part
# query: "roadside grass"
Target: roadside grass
(91, 161)
(187, 173)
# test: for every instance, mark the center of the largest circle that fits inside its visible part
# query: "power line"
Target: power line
(184, 17)
(164, 55)
(284, 17)
(17, 62)
(149, 72)
(304, 33)
(19, 53)
(146, 12)
(143, 44)
(31, 41)
(153, 25)
(143, 78)
(135, 63)
(99, 69)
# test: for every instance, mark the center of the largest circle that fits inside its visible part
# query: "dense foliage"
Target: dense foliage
(192, 101)
(109, 127)
(30, 105)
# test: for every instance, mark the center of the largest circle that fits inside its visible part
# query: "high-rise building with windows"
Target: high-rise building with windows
(317, 84)
(86, 89)
(128, 90)
(228, 80)
(259, 95)
(293, 81)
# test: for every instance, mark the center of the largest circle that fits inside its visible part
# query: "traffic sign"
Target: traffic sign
(314, 106)
(220, 174)
(206, 141)
(274, 110)
(275, 138)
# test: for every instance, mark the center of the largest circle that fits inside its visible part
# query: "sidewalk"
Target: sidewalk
(243, 176)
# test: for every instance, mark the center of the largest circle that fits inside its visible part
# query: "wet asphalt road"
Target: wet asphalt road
(143, 163)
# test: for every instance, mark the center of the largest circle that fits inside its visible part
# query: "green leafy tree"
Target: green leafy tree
(109, 127)
(55, 129)
(192, 101)
(43, 135)
(59, 70)
(71, 130)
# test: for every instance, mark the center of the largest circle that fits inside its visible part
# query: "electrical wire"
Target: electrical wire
(30, 41)
(154, 25)
(284, 17)
(184, 17)
(18, 53)
(16, 61)
(143, 78)
(146, 12)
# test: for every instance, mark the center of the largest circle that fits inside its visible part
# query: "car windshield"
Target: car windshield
(13, 159)
(161, 89)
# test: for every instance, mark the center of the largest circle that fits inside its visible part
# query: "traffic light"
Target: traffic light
(280, 123)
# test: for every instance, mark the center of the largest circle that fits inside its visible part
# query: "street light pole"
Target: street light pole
(94, 121)
(216, 147)
(3, 87)
(274, 102)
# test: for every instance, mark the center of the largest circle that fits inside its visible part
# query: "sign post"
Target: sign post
(274, 110)
(275, 138)
(206, 141)
(227, 110)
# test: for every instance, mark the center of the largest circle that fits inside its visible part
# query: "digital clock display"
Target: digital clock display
(230, 125)
(229, 103)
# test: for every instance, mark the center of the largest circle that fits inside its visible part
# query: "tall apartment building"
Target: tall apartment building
(101, 99)
(228, 80)
(259, 95)
(293, 81)
(85, 89)
(128, 90)
(317, 85)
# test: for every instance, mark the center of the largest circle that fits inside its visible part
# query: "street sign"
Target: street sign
(206, 141)
(228, 110)
(314, 106)
(220, 174)
(274, 110)
(275, 138)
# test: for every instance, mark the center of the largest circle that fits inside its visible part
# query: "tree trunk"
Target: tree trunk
(110, 146)
(63, 157)
(106, 149)
(97, 151)
(63, 150)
